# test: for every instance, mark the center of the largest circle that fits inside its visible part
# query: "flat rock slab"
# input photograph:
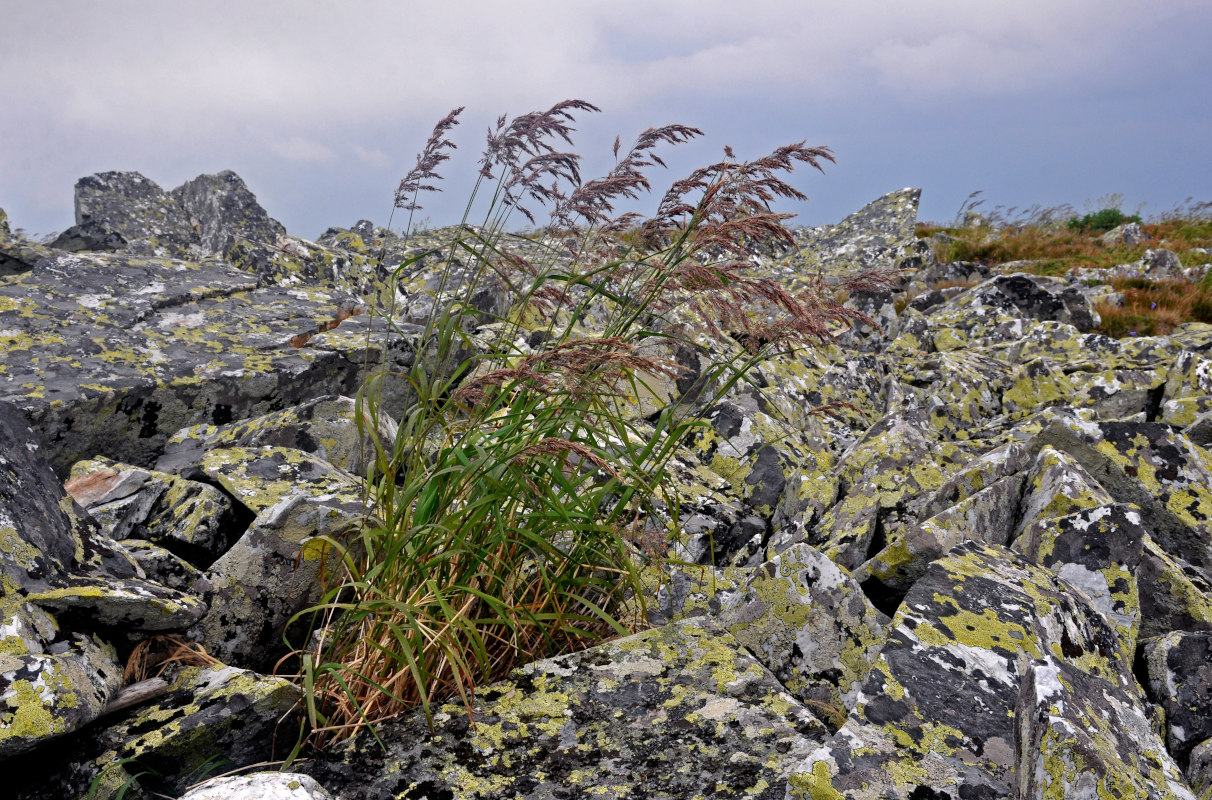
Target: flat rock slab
(675, 712)
(110, 354)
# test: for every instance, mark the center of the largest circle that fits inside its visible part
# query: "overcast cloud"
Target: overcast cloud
(321, 106)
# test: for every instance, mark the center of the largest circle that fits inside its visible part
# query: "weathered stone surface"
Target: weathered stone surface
(1174, 595)
(137, 210)
(804, 619)
(327, 427)
(37, 545)
(260, 786)
(125, 604)
(883, 478)
(110, 354)
(273, 571)
(162, 566)
(192, 519)
(52, 681)
(617, 720)
(1152, 466)
(222, 210)
(1083, 736)
(1098, 551)
(1179, 667)
(210, 719)
(936, 716)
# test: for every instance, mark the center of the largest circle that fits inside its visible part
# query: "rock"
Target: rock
(327, 427)
(111, 354)
(1174, 595)
(162, 566)
(302, 504)
(222, 210)
(210, 719)
(616, 720)
(1029, 297)
(260, 786)
(1200, 771)
(1083, 736)
(38, 545)
(882, 478)
(191, 519)
(1151, 466)
(125, 604)
(52, 681)
(1097, 550)
(136, 211)
(803, 618)
(1179, 668)
(936, 716)
(1129, 233)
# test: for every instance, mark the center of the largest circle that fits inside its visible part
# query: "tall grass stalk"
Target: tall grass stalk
(504, 513)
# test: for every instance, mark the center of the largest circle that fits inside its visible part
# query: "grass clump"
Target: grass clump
(527, 479)
(1101, 221)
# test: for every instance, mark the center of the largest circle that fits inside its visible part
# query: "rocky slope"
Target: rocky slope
(988, 575)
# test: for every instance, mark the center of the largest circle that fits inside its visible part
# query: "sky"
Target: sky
(323, 106)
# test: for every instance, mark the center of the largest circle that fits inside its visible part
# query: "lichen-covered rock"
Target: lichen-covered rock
(221, 209)
(677, 711)
(192, 519)
(1083, 736)
(148, 219)
(1097, 550)
(1030, 297)
(52, 681)
(36, 542)
(883, 477)
(260, 786)
(210, 719)
(110, 354)
(1174, 595)
(936, 717)
(878, 236)
(1057, 485)
(328, 427)
(758, 456)
(987, 516)
(121, 604)
(1179, 668)
(1150, 465)
(806, 620)
(302, 503)
(162, 566)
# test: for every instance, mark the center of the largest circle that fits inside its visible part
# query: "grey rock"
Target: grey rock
(618, 720)
(163, 566)
(1174, 595)
(137, 211)
(52, 681)
(273, 572)
(1130, 233)
(1084, 736)
(210, 719)
(1151, 466)
(1179, 669)
(936, 717)
(222, 209)
(124, 604)
(192, 519)
(260, 786)
(328, 427)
